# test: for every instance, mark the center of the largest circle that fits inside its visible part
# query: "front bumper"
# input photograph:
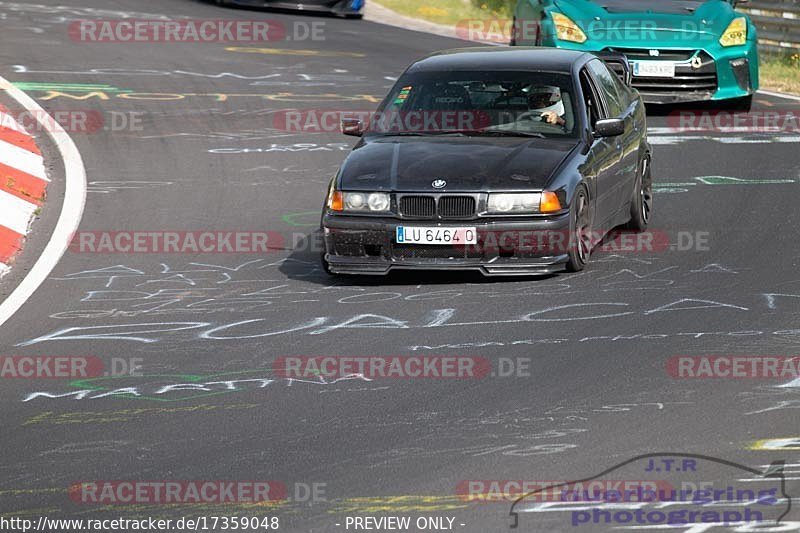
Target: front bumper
(367, 245)
(701, 74)
(728, 74)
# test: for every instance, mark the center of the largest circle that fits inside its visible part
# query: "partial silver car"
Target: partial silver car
(344, 8)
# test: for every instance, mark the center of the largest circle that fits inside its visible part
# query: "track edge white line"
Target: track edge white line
(71, 209)
(780, 95)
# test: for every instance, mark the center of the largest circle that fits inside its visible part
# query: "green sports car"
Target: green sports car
(679, 50)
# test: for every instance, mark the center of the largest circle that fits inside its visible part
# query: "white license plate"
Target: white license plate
(430, 235)
(654, 69)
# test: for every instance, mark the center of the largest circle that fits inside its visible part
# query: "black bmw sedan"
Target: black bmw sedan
(506, 161)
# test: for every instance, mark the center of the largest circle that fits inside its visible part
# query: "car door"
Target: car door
(603, 157)
(631, 139)
(617, 105)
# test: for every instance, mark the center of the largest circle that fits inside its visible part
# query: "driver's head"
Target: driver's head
(543, 97)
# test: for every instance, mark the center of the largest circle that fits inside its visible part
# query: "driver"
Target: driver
(547, 102)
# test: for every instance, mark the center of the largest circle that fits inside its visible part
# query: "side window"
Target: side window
(623, 91)
(608, 84)
(590, 99)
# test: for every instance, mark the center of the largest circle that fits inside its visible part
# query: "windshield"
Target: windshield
(478, 103)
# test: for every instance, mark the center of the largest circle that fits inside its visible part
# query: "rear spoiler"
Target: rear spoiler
(617, 62)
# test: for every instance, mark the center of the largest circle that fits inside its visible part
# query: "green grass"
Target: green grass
(781, 74)
(448, 12)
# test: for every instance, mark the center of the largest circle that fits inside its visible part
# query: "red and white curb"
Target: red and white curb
(23, 181)
(22, 161)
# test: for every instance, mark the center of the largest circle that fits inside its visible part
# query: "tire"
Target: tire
(642, 201)
(744, 103)
(580, 231)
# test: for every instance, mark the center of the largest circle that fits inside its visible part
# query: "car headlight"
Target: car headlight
(359, 202)
(736, 34)
(567, 30)
(523, 203)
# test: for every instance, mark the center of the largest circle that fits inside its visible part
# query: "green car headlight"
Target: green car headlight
(736, 34)
(567, 30)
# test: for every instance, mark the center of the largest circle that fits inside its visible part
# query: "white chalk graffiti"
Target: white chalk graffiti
(620, 337)
(162, 391)
(107, 187)
(438, 318)
(298, 147)
(78, 11)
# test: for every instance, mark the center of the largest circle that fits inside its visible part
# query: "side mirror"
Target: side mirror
(609, 127)
(352, 126)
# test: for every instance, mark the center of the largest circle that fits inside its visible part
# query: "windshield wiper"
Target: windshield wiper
(511, 133)
(418, 133)
(465, 133)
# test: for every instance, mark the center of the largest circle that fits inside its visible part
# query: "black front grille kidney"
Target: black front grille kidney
(448, 206)
(418, 206)
(456, 206)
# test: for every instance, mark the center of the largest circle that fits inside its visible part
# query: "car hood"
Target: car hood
(466, 164)
(609, 20)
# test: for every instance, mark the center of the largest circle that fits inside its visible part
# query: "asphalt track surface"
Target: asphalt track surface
(596, 394)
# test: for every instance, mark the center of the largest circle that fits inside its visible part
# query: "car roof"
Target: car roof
(501, 58)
